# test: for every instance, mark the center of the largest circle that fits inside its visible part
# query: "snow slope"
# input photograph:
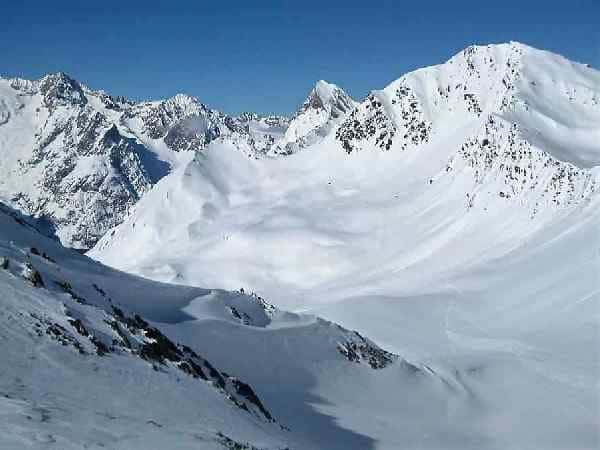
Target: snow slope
(452, 217)
(81, 369)
(93, 357)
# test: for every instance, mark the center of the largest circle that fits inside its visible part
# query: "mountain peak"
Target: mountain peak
(321, 111)
(325, 91)
(55, 76)
(184, 99)
(329, 97)
(60, 89)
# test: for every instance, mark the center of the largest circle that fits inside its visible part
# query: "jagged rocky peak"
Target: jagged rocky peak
(91, 156)
(159, 116)
(327, 96)
(59, 89)
(111, 102)
(83, 138)
(184, 103)
(324, 108)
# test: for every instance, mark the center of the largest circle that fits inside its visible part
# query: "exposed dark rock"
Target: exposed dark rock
(60, 90)
(78, 325)
(99, 290)
(358, 349)
(45, 326)
(370, 124)
(33, 275)
(246, 391)
(66, 286)
(101, 348)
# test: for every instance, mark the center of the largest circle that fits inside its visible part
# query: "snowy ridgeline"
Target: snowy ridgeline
(81, 158)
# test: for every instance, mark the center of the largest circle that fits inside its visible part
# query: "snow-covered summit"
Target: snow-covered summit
(325, 106)
(539, 91)
(327, 96)
(453, 216)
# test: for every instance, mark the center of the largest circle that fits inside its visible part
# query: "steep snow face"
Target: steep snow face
(324, 108)
(559, 101)
(82, 159)
(445, 217)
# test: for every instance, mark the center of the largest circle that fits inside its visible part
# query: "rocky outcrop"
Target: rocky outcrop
(375, 124)
(360, 350)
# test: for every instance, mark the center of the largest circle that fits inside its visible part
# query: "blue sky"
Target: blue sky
(266, 55)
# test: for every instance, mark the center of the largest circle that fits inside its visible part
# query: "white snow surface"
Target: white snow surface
(453, 217)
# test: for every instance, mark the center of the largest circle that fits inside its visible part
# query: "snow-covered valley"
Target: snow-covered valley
(452, 219)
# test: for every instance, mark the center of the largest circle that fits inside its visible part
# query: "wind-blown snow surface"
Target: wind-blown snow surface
(453, 217)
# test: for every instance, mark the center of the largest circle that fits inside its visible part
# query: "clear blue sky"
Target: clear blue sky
(266, 55)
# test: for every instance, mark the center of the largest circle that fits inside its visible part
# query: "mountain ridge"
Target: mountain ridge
(452, 217)
(93, 156)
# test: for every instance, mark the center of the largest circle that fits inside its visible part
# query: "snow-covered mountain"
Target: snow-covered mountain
(325, 107)
(452, 216)
(463, 141)
(81, 158)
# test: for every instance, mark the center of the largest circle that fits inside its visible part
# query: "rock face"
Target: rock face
(362, 351)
